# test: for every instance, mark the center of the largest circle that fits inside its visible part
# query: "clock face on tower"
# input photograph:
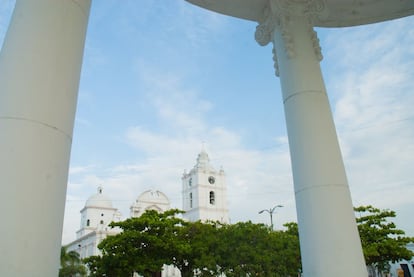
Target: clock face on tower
(211, 180)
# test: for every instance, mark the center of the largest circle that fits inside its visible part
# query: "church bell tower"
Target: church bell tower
(204, 192)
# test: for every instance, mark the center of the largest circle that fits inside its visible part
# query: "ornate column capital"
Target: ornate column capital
(278, 11)
(279, 14)
(264, 31)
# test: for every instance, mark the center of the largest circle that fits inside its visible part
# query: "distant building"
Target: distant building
(150, 200)
(204, 198)
(204, 192)
(403, 268)
(95, 218)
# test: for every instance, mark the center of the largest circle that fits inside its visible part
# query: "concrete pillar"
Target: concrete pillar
(40, 65)
(329, 239)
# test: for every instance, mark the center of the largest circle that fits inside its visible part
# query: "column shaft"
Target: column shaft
(40, 65)
(329, 239)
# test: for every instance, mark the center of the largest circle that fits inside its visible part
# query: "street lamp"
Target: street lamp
(271, 211)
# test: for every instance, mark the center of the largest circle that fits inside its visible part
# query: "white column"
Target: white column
(329, 239)
(40, 67)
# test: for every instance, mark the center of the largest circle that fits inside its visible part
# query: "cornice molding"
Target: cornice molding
(280, 14)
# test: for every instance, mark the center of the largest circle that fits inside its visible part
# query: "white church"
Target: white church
(203, 195)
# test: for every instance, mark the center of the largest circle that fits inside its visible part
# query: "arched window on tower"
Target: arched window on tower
(88, 222)
(191, 200)
(212, 198)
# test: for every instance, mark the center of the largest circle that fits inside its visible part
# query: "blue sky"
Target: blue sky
(159, 80)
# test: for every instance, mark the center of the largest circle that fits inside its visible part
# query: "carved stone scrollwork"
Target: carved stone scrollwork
(275, 62)
(287, 36)
(316, 45)
(264, 31)
(279, 13)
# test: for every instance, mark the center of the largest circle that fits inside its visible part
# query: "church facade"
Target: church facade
(95, 218)
(204, 192)
(203, 197)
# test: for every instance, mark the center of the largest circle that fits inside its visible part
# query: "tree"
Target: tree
(249, 249)
(144, 246)
(205, 249)
(382, 242)
(70, 264)
(153, 240)
(196, 246)
(109, 266)
(290, 262)
(241, 253)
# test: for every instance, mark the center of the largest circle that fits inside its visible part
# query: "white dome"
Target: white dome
(150, 200)
(99, 200)
(153, 196)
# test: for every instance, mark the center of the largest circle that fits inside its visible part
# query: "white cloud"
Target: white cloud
(253, 176)
(79, 169)
(368, 75)
(373, 112)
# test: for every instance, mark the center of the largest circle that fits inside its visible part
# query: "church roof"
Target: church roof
(153, 196)
(203, 161)
(99, 200)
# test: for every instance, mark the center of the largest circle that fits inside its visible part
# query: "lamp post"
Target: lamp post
(271, 211)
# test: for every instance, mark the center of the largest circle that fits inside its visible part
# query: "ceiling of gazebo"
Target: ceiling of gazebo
(337, 13)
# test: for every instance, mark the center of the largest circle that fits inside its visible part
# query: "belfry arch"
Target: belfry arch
(39, 81)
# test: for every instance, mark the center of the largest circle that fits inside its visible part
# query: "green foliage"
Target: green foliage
(289, 254)
(108, 266)
(249, 249)
(381, 241)
(144, 246)
(207, 249)
(242, 249)
(196, 243)
(70, 264)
